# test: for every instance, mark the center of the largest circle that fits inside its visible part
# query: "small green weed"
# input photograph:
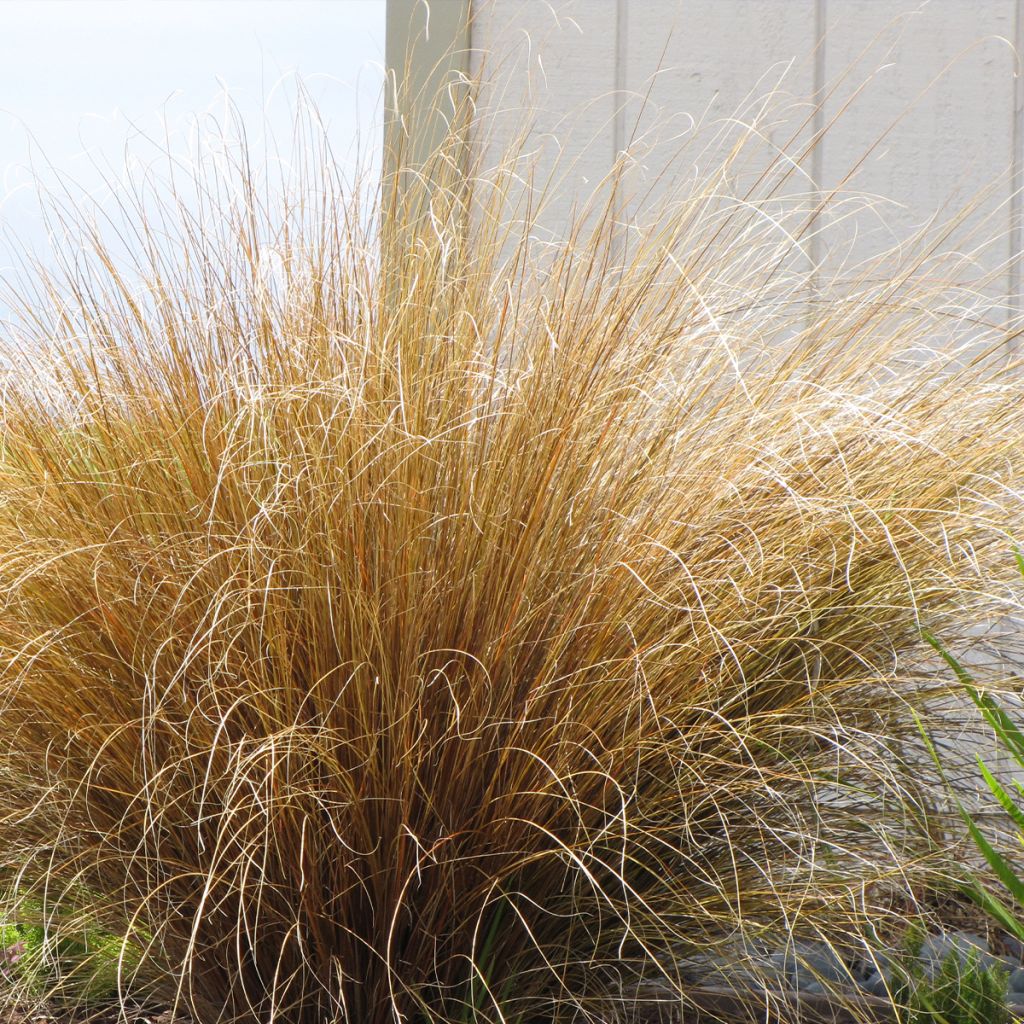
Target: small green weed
(961, 991)
(81, 968)
(1005, 906)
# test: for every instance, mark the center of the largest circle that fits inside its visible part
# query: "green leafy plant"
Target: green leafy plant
(77, 964)
(1005, 907)
(962, 990)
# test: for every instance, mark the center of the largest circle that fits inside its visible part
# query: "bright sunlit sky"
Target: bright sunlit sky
(79, 79)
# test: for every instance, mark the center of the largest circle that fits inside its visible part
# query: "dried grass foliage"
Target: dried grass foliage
(401, 619)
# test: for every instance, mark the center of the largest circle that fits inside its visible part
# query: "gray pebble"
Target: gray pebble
(779, 964)
(1017, 981)
(809, 963)
(698, 966)
(732, 975)
(880, 963)
(875, 985)
(1016, 948)
(936, 948)
(743, 978)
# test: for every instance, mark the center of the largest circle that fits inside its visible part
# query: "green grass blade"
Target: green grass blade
(1004, 798)
(997, 862)
(993, 906)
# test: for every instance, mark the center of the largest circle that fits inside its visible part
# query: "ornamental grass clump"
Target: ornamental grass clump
(402, 619)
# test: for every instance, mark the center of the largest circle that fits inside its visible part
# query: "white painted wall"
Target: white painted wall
(920, 104)
(937, 78)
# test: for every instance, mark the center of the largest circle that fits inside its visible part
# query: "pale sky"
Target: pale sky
(82, 78)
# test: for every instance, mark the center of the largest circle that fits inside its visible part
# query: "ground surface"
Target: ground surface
(23, 1016)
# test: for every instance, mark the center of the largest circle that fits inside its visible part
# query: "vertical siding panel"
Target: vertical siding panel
(683, 62)
(1017, 179)
(699, 73)
(953, 134)
(952, 131)
(708, 61)
(556, 61)
(818, 122)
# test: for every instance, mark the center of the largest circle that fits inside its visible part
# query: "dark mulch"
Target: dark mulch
(15, 1015)
(714, 1005)
(708, 1006)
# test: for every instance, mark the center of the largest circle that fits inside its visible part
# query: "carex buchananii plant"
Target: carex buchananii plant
(405, 620)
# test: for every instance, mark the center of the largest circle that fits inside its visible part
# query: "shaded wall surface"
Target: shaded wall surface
(903, 112)
(918, 106)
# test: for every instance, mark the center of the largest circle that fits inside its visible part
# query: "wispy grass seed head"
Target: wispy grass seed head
(403, 620)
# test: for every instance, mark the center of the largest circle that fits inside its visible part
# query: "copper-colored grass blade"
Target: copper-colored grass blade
(400, 620)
